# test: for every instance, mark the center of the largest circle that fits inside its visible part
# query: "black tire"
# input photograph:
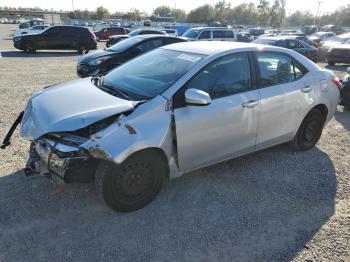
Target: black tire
(28, 48)
(331, 63)
(309, 131)
(132, 184)
(83, 50)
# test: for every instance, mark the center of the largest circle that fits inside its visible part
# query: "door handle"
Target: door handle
(250, 104)
(306, 89)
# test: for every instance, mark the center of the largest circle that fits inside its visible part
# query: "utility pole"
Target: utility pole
(73, 5)
(318, 9)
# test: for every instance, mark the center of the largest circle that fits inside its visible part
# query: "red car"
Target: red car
(106, 32)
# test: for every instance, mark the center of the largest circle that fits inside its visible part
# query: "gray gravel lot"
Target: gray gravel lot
(275, 205)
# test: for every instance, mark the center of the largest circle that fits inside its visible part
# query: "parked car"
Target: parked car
(58, 37)
(293, 44)
(332, 42)
(244, 37)
(291, 32)
(32, 30)
(345, 90)
(29, 23)
(112, 40)
(256, 32)
(308, 29)
(171, 32)
(173, 110)
(210, 34)
(181, 29)
(321, 36)
(303, 39)
(339, 54)
(102, 61)
(333, 28)
(106, 32)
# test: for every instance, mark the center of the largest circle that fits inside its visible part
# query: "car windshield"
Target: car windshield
(191, 33)
(338, 39)
(124, 45)
(151, 74)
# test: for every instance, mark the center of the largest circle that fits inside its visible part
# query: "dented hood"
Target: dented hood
(68, 107)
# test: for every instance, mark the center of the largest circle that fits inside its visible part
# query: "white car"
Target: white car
(173, 110)
(210, 34)
(32, 30)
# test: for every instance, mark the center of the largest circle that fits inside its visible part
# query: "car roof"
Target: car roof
(213, 47)
(153, 36)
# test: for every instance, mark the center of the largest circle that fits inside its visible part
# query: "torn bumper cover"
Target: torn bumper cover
(62, 162)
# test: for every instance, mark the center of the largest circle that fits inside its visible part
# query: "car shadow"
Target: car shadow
(343, 118)
(38, 54)
(262, 207)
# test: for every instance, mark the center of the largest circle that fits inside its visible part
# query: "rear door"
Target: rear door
(50, 38)
(284, 93)
(223, 35)
(228, 126)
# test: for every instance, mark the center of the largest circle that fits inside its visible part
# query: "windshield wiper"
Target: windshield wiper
(112, 89)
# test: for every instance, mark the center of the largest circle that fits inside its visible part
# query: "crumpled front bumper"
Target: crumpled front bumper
(62, 162)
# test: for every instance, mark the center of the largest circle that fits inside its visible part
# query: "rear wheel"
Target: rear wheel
(331, 63)
(309, 131)
(132, 184)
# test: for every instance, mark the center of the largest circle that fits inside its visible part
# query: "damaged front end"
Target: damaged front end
(61, 157)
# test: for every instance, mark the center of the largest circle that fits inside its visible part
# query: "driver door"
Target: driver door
(225, 128)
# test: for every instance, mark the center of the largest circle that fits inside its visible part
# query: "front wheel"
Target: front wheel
(83, 50)
(309, 131)
(132, 184)
(331, 63)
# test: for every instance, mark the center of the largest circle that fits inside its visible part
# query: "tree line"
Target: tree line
(267, 13)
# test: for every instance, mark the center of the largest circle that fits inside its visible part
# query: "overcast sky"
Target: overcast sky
(148, 6)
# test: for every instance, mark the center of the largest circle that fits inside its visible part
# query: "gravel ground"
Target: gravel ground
(274, 205)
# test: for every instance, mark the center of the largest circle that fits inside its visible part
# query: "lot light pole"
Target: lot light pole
(318, 9)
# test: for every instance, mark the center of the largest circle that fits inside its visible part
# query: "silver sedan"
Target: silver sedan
(173, 110)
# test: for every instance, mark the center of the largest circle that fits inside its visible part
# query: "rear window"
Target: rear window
(222, 34)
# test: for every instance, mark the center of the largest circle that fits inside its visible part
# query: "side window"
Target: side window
(53, 31)
(218, 34)
(299, 70)
(227, 34)
(204, 35)
(149, 45)
(224, 77)
(275, 69)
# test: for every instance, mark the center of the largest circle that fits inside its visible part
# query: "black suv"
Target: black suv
(58, 37)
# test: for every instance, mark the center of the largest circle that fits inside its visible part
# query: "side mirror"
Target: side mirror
(197, 97)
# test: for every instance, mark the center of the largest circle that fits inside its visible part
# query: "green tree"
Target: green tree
(163, 11)
(102, 13)
(202, 14)
(179, 14)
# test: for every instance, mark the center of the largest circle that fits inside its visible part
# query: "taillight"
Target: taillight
(93, 37)
(336, 81)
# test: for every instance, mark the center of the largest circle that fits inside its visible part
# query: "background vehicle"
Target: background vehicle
(303, 39)
(321, 36)
(308, 29)
(58, 37)
(174, 110)
(255, 32)
(103, 61)
(332, 42)
(244, 37)
(333, 28)
(32, 30)
(345, 91)
(210, 34)
(171, 32)
(117, 38)
(106, 32)
(339, 54)
(181, 29)
(30, 23)
(293, 44)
